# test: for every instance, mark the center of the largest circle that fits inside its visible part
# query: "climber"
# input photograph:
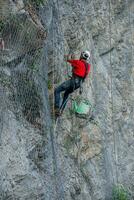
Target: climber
(80, 70)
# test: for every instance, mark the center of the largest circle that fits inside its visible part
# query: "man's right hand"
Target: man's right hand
(73, 57)
(69, 57)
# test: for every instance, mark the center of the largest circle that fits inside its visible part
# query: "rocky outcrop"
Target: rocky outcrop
(73, 158)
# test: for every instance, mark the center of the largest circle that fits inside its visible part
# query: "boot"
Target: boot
(57, 112)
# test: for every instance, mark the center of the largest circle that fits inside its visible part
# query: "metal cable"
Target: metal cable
(58, 180)
(131, 35)
(112, 100)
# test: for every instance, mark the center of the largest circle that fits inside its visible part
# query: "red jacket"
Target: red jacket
(79, 68)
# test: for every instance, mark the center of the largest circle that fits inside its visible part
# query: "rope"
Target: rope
(59, 182)
(124, 97)
(131, 35)
(112, 122)
(53, 78)
(61, 31)
(73, 119)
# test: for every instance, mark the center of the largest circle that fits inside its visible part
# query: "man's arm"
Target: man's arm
(69, 57)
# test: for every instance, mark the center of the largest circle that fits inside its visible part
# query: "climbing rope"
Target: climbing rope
(73, 117)
(130, 36)
(124, 98)
(112, 102)
(59, 183)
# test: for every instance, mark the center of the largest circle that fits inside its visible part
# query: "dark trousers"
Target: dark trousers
(67, 87)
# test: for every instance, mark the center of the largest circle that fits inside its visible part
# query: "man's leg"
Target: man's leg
(75, 84)
(63, 87)
(57, 92)
(65, 98)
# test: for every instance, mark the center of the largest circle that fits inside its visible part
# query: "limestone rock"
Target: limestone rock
(71, 158)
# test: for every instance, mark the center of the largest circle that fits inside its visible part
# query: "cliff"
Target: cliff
(72, 158)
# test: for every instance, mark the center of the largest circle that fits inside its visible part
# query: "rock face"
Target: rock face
(73, 158)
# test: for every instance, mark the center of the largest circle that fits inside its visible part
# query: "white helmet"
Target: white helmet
(85, 55)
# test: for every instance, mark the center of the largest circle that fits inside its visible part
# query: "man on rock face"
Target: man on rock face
(80, 70)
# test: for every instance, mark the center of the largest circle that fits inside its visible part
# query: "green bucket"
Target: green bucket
(82, 107)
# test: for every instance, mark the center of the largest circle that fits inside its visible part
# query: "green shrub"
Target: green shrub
(37, 2)
(120, 193)
(49, 84)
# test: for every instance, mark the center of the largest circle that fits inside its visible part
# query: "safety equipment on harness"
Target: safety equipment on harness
(85, 55)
